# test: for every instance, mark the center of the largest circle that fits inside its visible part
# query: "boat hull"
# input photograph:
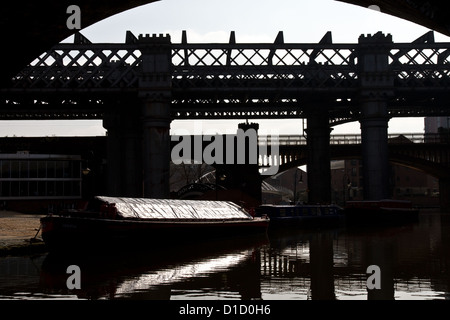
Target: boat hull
(380, 212)
(61, 232)
(301, 215)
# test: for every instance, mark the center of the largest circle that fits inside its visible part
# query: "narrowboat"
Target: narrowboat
(380, 212)
(113, 221)
(301, 214)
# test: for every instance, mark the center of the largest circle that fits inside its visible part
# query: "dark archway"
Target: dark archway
(29, 28)
(428, 13)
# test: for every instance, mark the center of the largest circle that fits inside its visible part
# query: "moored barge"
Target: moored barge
(301, 214)
(113, 221)
(380, 212)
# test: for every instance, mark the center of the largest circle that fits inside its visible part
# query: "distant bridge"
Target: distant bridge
(426, 152)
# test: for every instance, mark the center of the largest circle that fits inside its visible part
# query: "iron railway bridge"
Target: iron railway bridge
(138, 87)
(230, 80)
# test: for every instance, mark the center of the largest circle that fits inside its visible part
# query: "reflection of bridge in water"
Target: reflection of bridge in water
(325, 265)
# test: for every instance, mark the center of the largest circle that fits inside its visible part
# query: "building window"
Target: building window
(33, 169)
(51, 166)
(39, 178)
(5, 169)
(15, 188)
(6, 188)
(24, 169)
(42, 169)
(15, 169)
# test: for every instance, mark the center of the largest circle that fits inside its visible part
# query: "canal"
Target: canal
(287, 264)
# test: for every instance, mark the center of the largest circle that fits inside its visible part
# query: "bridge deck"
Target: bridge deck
(230, 80)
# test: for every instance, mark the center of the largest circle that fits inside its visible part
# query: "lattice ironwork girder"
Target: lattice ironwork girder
(267, 71)
(421, 111)
(254, 77)
(233, 80)
(71, 65)
(237, 113)
(429, 99)
(58, 106)
(267, 93)
(255, 103)
(51, 114)
(253, 111)
(261, 54)
(62, 97)
(434, 79)
(419, 53)
(45, 109)
(343, 120)
(67, 92)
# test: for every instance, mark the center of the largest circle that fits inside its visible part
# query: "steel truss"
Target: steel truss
(228, 81)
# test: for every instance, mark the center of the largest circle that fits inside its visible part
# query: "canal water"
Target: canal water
(287, 264)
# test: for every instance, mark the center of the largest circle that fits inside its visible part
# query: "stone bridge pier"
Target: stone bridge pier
(139, 133)
(376, 84)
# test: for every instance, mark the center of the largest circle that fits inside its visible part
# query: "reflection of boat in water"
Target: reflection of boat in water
(115, 221)
(306, 214)
(160, 273)
(382, 211)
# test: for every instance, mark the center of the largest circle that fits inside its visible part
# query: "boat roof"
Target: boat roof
(145, 208)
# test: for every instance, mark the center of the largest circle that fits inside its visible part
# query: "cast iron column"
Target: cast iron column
(376, 87)
(155, 91)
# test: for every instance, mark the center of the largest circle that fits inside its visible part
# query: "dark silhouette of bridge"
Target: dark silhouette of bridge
(43, 23)
(140, 86)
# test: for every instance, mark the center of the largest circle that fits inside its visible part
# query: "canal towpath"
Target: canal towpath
(20, 233)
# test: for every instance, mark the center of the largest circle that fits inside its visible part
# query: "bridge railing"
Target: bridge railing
(351, 139)
(346, 139)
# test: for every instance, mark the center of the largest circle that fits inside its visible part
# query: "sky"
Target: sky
(302, 21)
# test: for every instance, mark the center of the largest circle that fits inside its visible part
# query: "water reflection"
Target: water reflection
(161, 274)
(288, 264)
(332, 264)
